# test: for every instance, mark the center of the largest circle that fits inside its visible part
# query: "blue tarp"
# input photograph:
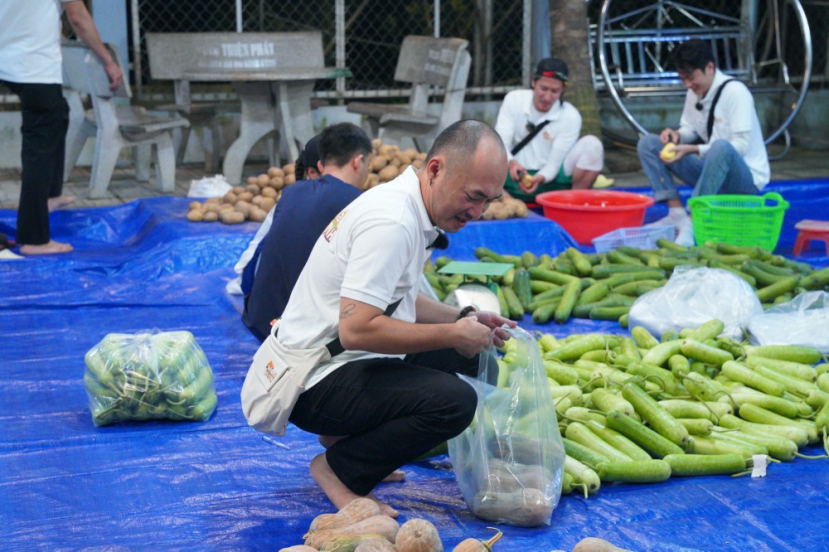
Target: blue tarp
(65, 484)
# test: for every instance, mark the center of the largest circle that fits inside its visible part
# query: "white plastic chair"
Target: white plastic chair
(114, 127)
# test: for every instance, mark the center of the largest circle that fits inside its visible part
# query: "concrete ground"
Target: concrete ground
(622, 162)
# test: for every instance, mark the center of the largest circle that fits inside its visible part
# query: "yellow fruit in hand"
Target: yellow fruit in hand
(526, 181)
(667, 152)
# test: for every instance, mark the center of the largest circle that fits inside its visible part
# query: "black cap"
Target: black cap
(310, 155)
(552, 68)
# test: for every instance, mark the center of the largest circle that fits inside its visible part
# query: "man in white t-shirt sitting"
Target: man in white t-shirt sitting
(541, 133)
(718, 148)
(390, 392)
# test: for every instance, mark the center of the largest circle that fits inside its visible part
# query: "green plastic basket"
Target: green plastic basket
(738, 219)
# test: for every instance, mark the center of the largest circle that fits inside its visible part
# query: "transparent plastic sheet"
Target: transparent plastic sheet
(802, 321)
(691, 297)
(509, 462)
(148, 376)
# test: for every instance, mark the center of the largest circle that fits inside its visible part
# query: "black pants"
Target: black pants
(45, 120)
(391, 410)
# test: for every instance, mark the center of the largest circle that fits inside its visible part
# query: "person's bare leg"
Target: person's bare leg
(583, 179)
(60, 201)
(335, 490)
(327, 440)
(45, 249)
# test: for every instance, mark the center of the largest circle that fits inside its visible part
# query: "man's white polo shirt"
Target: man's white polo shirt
(372, 252)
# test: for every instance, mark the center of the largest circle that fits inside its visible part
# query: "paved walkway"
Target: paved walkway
(798, 164)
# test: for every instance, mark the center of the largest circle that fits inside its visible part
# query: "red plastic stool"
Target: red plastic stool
(811, 230)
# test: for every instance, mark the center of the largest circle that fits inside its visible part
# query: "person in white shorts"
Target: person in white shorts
(541, 133)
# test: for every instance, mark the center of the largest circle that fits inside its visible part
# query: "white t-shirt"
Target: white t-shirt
(30, 41)
(545, 152)
(372, 252)
(735, 120)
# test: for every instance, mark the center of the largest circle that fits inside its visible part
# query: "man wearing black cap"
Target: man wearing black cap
(301, 214)
(541, 132)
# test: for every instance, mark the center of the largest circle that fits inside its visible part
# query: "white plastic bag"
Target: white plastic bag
(802, 321)
(509, 461)
(209, 186)
(693, 296)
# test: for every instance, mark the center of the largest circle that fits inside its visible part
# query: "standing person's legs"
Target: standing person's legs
(45, 120)
(584, 162)
(390, 411)
(724, 171)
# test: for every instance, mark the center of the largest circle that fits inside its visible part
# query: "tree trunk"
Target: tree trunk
(568, 26)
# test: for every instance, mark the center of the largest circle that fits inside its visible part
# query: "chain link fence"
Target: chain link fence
(363, 35)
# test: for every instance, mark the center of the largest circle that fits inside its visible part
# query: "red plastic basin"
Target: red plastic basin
(586, 214)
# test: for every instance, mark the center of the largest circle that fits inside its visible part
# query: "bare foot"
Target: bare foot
(337, 493)
(396, 475)
(60, 201)
(328, 440)
(45, 249)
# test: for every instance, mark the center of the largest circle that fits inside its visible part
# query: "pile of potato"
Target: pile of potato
(505, 207)
(389, 161)
(251, 202)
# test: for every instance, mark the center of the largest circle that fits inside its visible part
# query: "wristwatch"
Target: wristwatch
(465, 311)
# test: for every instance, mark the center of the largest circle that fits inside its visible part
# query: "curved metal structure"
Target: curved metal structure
(802, 22)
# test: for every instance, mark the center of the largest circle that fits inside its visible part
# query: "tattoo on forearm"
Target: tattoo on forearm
(348, 310)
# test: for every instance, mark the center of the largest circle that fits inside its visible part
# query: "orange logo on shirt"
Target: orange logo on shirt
(332, 227)
(269, 371)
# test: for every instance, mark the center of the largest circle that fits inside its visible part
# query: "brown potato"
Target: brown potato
(277, 182)
(233, 218)
(376, 143)
(254, 189)
(411, 152)
(212, 200)
(194, 205)
(257, 199)
(195, 215)
(242, 207)
(251, 180)
(388, 173)
(257, 214)
(268, 203)
(210, 216)
(268, 192)
(378, 163)
(288, 169)
(387, 150)
(212, 207)
(487, 214)
(238, 189)
(404, 159)
(521, 209)
(289, 179)
(274, 172)
(262, 180)
(230, 197)
(417, 163)
(245, 196)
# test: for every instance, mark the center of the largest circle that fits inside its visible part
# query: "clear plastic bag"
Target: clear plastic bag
(694, 296)
(802, 321)
(509, 461)
(149, 375)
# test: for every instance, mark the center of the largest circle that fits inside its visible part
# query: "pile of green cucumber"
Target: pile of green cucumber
(640, 409)
(603, 286)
